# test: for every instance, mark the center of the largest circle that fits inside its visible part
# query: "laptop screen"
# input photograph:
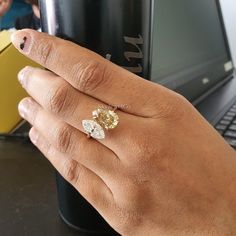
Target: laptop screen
(189, 50)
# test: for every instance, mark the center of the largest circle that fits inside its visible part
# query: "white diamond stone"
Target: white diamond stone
(94, 129)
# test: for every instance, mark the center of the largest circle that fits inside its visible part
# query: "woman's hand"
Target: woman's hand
(163, 171)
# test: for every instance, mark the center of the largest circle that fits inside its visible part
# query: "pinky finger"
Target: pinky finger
(90, 186)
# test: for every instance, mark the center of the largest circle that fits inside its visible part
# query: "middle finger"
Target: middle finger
(69, 141)
(59, 97)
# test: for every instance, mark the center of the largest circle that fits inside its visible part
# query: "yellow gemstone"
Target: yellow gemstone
(106, 118)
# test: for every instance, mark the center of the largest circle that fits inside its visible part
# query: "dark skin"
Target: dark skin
(163, 171)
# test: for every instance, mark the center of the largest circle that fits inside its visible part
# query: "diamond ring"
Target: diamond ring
(102, 119)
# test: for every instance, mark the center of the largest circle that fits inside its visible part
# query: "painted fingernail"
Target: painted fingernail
(33, 135)
(23, 108)
(22, 40)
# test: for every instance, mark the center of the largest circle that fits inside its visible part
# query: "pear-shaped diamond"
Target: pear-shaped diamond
(94, 129)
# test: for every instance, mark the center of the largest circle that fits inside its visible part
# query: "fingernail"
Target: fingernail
(23, 74)
(21, 77)
(22, 40)
(33, 135)
(23, 109)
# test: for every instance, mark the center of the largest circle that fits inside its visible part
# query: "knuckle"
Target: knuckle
(174, 108)
(45, 51)
(92, 75)
(57, 98)
(64, 139)
(80, 177)
(178, 107)
(70, 170)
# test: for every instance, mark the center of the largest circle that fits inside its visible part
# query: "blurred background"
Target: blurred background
(19, 14)
(229, 12)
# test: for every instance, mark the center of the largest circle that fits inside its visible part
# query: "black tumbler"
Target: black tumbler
(117, 30)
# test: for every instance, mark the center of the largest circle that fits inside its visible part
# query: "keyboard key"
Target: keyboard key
(234, 122)
(231, 142)
(221, 127)
(231, 114)
(229, 118)
(232, 127)
(225, 122)
(233, 110)
(230, 134)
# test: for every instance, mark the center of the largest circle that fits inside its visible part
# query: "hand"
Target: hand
(163, 171)
(4, 6)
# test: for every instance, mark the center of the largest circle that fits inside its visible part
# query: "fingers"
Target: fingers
(60, 98)
(70, 141)
(84, 180)
(92, 74)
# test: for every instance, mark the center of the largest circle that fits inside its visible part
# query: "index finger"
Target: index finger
(92, 74)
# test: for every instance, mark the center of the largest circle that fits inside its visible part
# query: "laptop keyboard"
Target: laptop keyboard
(227, 126)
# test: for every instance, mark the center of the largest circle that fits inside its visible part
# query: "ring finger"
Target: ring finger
(67, 139)
(59, 97)
(90, 185)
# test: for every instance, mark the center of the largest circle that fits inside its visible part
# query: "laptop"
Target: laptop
(191, 55)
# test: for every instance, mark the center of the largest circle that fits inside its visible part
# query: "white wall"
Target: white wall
(229, 13)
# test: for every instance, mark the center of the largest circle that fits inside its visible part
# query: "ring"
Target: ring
(102, 119)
